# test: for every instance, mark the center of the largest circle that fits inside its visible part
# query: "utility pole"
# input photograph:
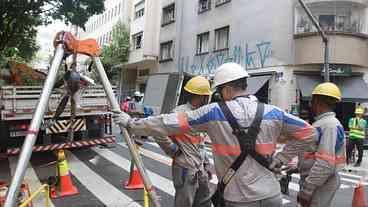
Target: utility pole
(324, 39)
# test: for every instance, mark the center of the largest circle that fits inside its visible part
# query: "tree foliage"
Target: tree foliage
(117, 52)
(19, 19)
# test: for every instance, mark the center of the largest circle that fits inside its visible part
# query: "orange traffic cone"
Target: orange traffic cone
(359, 197)
(135, 180)
(65, 184)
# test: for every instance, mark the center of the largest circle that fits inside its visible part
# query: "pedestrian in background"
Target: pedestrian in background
(357, 126)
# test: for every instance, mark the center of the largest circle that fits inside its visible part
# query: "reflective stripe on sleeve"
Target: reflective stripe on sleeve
(339, 159)
(189, 139)
(183, 122)
(266, 149)
(304, 133)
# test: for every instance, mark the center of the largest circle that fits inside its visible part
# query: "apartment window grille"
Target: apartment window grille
(222, 38)
(203, 43)
(168, 15)
(137, 41)
(204, 5)
(166, 51)
(139, 9)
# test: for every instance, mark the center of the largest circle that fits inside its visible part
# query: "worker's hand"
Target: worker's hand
(207, 169)
(304, 200)
(276, 165)
(304, 197)
(121, 118)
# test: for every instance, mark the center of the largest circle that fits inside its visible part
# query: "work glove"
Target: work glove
(121, 118)
(304, 197)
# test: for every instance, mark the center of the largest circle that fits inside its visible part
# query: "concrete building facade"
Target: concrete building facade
(274, 41)
(100, 26)
(144, 48)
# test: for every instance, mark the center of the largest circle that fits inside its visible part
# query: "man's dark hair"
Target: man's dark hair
(328, 101)
(238, 84)
(189, 96)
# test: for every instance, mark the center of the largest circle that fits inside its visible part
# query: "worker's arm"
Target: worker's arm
(330, 153)
(175, 123)
(167, 145)
(300, 135)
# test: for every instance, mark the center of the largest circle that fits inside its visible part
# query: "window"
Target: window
(139, 9)
(204, 5)
(221, 2)
(203, 43)
(166, 53)
(168, 15)
(137, 41)
(222, 38)
(327, 22)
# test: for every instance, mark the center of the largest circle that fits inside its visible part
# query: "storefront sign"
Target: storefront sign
(338, 70)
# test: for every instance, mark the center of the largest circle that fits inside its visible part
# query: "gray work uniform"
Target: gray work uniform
(252, 182)
(320, 164)
(189, 176)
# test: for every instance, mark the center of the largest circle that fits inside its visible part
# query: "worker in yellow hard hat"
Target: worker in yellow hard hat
(320, 163)
(190, 167)
(357, 127)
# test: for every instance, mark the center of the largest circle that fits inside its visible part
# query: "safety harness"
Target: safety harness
(247, 141)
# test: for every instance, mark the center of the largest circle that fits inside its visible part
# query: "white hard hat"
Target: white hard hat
(137, 93)
(228, 72)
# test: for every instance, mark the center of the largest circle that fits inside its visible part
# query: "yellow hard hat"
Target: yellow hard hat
(328, 89)
(359, 110)
(199, 86)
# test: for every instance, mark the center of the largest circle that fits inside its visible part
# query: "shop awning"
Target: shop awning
(306, 84)
(257, 82)
(353, 89)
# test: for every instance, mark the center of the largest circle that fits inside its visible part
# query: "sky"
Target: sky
(45, 38)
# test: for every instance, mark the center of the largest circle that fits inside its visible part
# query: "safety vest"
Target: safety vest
(357, 127)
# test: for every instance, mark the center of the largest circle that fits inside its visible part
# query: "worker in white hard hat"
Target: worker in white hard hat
(190, 166)
(244, 168)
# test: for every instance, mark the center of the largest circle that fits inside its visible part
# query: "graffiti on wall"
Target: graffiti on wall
(250, 57)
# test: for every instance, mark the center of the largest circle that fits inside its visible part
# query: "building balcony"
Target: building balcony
(333, 16)
(344, 48)
(343, 21)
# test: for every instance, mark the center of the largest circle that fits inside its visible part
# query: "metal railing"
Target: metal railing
(43, 189)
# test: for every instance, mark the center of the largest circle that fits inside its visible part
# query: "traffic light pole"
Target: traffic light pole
(324, 39)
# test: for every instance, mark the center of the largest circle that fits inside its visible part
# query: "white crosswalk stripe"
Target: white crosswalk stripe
(31, 179)
(103, 190)
(158, 181)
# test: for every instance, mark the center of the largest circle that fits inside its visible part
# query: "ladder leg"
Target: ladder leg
(34, 127)
(136, 158)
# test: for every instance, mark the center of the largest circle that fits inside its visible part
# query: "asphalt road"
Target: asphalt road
(99, 174)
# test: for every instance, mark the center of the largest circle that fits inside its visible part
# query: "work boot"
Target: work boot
(357, 164)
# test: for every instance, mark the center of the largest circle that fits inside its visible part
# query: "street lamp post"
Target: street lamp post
(324, 39)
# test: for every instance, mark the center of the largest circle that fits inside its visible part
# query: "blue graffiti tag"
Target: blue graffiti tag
(207, 64)
(264, 52)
